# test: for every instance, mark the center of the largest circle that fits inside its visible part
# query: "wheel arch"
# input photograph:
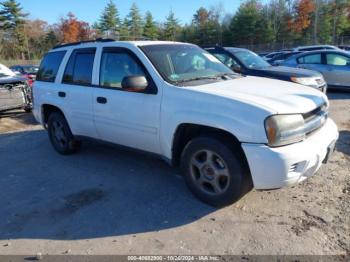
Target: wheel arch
(46, 110)
(185, 132)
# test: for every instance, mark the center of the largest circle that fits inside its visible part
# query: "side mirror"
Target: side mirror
(134, 83)
(236, 68)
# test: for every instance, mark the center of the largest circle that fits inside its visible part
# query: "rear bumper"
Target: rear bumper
(283, 166)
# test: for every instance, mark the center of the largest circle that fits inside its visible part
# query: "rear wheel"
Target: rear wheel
(214, 172)
(60, 134)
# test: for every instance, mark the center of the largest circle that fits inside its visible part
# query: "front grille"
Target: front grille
(315, 119)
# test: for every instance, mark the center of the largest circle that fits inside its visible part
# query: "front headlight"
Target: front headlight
(284, 129)
(306, 81)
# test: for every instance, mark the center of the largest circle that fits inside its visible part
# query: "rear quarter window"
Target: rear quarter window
(49, 66)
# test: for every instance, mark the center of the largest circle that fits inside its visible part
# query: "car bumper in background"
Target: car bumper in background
(283, 166)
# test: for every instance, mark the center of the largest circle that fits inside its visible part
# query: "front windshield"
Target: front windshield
(251, 60)
(178, 63)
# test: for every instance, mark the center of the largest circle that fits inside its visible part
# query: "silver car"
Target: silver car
(333, 65)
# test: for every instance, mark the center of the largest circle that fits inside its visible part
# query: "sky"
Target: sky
(90, 10)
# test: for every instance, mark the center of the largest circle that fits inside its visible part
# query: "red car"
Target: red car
(28, 71)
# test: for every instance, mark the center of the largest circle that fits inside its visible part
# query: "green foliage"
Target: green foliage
(324, 27)
(249, 25)
(124, 30)
(257, 24)
(135, 23)
(11, 15)
(150, 30)
(171, 27)
(109, 21)
(12, 21)
(206, 27)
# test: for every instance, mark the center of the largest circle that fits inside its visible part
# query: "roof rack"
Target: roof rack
(100, 40)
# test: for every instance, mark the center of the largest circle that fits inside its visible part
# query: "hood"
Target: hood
(6, 71)
(288, 71)
(275, 96)
(11, 80)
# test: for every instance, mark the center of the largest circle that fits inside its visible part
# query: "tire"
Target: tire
(215, 173)
(60, 135)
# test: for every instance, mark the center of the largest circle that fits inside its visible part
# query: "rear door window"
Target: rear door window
(310, 59)
(49, 66)
(79, 68)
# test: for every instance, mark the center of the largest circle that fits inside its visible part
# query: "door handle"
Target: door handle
(101, 100)
(62, 94)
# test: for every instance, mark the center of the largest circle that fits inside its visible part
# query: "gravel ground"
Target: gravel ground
(107, 200)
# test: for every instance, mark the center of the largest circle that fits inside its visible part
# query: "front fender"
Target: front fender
(243, 129)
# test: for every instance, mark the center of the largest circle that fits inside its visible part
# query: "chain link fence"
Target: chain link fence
(270, 47)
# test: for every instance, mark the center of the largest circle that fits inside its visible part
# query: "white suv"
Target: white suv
(228, 132)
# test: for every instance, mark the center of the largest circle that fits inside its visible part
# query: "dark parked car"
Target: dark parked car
(248, 63)
(272, 55)
(278, 59)
(333, 65)
(345, 47)
(28, 71)
(14, 91)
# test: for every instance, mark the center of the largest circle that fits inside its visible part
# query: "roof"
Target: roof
(149, 42)
(100, 41)
(340, 51)
(316, 46)
(228, 48)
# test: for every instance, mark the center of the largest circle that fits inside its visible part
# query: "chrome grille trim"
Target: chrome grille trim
(315, 119)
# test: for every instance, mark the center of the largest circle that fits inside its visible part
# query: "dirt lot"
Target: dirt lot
(106, 200)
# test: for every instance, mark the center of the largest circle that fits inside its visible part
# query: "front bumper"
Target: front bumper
(287, 165)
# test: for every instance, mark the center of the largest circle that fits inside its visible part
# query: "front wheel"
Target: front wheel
(60, 135)
(214, 172)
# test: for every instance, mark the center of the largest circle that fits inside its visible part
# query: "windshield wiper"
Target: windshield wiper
(197, 78)
(225, 74)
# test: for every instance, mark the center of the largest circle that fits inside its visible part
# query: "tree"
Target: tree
(278, 15)
(323, 24)
(109, 23)
(150, 30)
(303, 12)
(249, 25)
(207, 26)
(11, 15)
(135, 22)
(73, 30)
(340, 18)
(35, 31)
(12, 21)
(124, 30)
(50, 40)
(171, 27)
